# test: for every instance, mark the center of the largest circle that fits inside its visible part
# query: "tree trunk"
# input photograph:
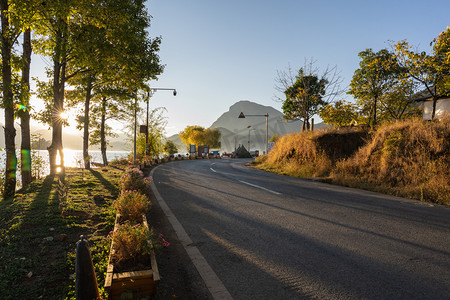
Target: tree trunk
(103, 133)
(374, 120)
(58, 99)
(87, 161)
(25, 147)
(10, 131)
(433, 112)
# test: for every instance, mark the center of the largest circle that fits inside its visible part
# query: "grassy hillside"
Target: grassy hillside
(408, 158)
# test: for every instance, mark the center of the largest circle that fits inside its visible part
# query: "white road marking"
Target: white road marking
(212, 281)
(260, 187)
(213, 170)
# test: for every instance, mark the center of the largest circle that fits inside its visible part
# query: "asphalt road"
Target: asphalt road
(269, 236)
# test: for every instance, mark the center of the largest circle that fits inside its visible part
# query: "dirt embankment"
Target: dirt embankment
(408, 158)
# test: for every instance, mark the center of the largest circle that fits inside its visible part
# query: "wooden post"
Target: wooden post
(86, 286)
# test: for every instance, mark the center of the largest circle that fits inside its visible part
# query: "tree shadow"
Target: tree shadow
(114, 190)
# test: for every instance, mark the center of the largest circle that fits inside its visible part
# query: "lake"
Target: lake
(72, 158)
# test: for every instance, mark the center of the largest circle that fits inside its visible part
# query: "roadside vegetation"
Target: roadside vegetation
(39, 230)
(408, 158)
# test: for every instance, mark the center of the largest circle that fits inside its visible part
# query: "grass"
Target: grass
(407, 158)
(39, 231)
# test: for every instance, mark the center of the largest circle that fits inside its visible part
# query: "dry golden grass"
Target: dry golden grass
(408, 158)
(312, 154)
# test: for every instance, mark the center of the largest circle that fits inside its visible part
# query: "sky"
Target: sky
(219, 52)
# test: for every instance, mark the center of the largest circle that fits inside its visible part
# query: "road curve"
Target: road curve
(268, 236)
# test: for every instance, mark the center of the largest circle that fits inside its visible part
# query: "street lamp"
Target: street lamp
(249, 129)
(150, 93)
(242, 116)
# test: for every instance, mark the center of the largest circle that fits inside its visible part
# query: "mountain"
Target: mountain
(236, 131)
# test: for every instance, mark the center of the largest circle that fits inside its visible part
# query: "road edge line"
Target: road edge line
(210, 278)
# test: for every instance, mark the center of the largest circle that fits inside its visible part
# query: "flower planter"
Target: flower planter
(131, 284)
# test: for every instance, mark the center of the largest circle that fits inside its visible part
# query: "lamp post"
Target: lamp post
(249, 143)
(150, 93)
(242, 116)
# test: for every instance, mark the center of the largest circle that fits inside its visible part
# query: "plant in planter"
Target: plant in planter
(131, 205)
(133, 179)
(131, 243)
(132, 268)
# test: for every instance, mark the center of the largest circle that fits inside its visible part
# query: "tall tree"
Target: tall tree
(24, 113)
(430, 71)
(119, 54)
(376, 75)
(7, 41)
(307, 91)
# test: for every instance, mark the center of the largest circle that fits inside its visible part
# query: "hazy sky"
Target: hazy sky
(219, 52)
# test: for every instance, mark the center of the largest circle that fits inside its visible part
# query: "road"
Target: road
(269, 236)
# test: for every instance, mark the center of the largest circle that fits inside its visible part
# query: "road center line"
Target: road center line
(259, 187)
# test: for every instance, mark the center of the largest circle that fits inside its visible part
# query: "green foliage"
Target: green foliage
(305, 97)
(170, 147)
(377, 74)
(341, 113)
(156, 133)
(197, 135)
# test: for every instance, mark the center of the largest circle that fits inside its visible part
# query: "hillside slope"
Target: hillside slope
(408, 158)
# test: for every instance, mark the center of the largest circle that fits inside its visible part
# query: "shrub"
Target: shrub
(130, 242)
(133, 180)
(131, 205)
(120, 161)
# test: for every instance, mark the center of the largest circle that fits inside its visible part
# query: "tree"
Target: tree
(341, 113)
(170, 148)
(57, 41)
(432, 72)
(377, 74)
(156, 133)
(7, 41)
(274, 138)
(197, 135)
(398, 103)
(306, 92)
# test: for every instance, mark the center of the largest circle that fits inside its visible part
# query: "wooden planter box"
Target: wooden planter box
(136, 283)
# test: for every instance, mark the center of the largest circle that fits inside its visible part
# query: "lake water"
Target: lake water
(72, 158)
